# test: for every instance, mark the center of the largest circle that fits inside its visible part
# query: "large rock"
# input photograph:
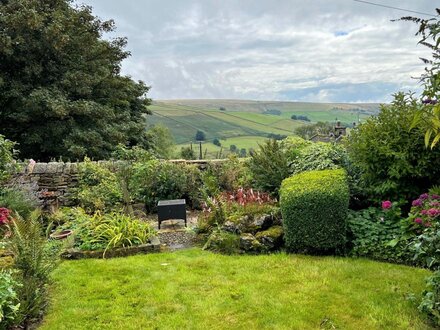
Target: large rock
(271, 239)
(249, 243)
(223, 242)
(231, 227)
(262, 222)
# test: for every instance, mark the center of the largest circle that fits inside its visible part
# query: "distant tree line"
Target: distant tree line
(300, 117)
(276, 136)
(272, 112)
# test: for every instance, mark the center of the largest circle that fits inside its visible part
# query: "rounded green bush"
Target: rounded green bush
(314, 206)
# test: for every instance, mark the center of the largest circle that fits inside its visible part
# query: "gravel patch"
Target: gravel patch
(177, 239)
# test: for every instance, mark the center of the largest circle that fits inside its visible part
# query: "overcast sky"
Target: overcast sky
(297, 50)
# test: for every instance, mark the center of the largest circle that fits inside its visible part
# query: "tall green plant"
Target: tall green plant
(98, 187)
(393, 160)
(159, 180)
(270, 166)
(34, 258)
(125, 169)
(6, 157)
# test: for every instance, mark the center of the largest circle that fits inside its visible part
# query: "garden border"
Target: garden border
(153, 247)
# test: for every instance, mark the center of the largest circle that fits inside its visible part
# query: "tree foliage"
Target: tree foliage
(61, 91)
(269, 166)
(307, 131)
(6, 157)
(200, 136)
(159, 141)
(394, 161)
(428, 116)
(216, 142)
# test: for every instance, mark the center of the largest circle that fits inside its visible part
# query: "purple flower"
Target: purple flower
(386, 205)
(424, 196)
(417, 202)
(435, 196)
(418, 220)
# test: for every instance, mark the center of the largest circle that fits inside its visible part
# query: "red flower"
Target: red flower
(418, 220)
(4, 215)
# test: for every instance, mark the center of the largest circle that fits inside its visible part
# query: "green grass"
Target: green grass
(245, 118)
(212, 150)
(330, 116)
(250, 122)
(194, 289)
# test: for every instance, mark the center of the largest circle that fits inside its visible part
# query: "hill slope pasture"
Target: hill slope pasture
(246, 123)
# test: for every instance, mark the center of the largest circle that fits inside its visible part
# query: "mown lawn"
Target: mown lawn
(194, 289)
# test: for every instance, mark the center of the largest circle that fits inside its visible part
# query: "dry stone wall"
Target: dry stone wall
(53, 182)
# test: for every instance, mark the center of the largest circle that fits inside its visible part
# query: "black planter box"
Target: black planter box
(171, 209)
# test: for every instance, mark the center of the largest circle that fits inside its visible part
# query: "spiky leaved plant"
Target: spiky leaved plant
(34, 258)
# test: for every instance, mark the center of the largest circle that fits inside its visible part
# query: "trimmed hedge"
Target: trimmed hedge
(314, 206)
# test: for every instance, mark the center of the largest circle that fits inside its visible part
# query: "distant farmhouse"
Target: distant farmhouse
(338, 132)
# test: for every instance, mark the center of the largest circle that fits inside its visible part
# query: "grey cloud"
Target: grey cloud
(321, 50)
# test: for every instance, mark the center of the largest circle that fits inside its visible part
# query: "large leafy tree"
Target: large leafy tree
(61, 91)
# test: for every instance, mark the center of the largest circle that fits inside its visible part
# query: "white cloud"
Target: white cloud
(318, 50)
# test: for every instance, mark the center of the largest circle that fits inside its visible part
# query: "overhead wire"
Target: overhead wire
(396, 8)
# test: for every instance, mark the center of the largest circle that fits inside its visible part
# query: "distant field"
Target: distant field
(246, 142)
(245, 123)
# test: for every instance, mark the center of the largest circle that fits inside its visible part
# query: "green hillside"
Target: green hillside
(246, 123)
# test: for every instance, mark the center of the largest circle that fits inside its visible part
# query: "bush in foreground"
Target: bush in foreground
(314, 207)
(374, 233)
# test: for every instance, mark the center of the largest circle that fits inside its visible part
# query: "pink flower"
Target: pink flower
(435, 196)
(386, 205)
(433, 212)
(418, 220)
(417, 202)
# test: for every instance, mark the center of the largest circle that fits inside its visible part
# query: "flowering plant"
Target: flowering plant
(4, 215)
(386, 205)
(424, 212)
(242, 197)
(235, 205)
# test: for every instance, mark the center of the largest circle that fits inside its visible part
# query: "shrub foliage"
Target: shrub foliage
(371, 231)
(393, 159)
(269, 166)
(314, 206)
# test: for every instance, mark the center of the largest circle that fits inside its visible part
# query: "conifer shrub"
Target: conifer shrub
(314, 206)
